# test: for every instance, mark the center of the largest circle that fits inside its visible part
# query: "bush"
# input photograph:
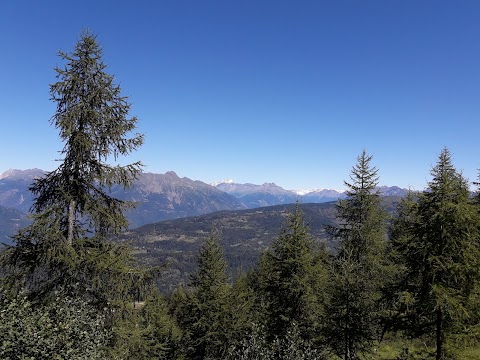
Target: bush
(290, 347)
(66, 328)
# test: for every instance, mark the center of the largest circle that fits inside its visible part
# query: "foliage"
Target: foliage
(147, 333)
(359, 268)
(92, 117)
(290, 280)
(66, 328)
(65, 250)
(203, 315)
(65, 246)
(291, 346)
(439, 249)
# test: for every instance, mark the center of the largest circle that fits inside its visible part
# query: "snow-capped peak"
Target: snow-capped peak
(226, 181)
(304, 191)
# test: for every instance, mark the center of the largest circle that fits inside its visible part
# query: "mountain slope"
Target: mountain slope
(245, 233)
(254, 196)
(167, 196)
(322, 195)
(270, 194)
(157, 196)
(14, 186)
(11, 221)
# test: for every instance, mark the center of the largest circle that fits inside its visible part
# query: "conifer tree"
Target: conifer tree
(439, 248)
(290, 282)
(65, 245)
(401, 232)
(203, 316)
(149, 332)
(353, 319)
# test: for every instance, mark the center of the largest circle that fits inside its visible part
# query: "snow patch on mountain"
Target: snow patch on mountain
(226, 181)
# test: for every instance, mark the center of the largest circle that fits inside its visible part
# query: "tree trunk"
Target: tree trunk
(71, 222)
(346, 339)
(439, 335)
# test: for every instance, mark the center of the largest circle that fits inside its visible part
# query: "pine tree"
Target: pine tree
(290, 282)
(353, 318)
(203, 316)
(395, 291)
(149, 332)
(440, 250)
(92, 117)
(65, 246)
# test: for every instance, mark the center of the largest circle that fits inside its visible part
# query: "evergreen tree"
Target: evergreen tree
(241, 314)
(92, 117)
(401, 232)
(203, 316)
(65, 245)
(440, 251)
(148, 332)
(353, 312)
(290, 282)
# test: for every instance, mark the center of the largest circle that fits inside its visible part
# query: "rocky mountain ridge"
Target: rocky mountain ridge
(270, 194)
(167, 196)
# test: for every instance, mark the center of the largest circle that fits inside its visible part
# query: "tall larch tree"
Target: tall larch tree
(72, 211)
(290, 282)
(440, 252)
(203, 315)
(353, 312)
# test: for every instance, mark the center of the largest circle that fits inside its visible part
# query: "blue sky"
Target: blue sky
(260, 91)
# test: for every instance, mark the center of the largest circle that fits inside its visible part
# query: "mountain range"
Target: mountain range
(160, 197)
(270, 194)
(174, 215)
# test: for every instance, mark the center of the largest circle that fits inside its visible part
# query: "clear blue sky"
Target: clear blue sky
(260, 91)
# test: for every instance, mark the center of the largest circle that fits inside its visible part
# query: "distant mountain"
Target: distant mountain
(322, 195)
(326, 195)
(392, 191)
(27, 175)
(11, 221)
(158, 196)
(254, 196)
(14, 186)
(167, 196)
(270, 194)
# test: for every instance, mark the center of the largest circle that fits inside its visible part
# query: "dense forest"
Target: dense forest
(397, 287)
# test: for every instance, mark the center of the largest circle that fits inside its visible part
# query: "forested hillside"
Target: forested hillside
(245, 234)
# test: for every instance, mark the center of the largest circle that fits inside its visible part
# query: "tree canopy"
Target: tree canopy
(65, 246)
(437, 242)
(357, 276)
